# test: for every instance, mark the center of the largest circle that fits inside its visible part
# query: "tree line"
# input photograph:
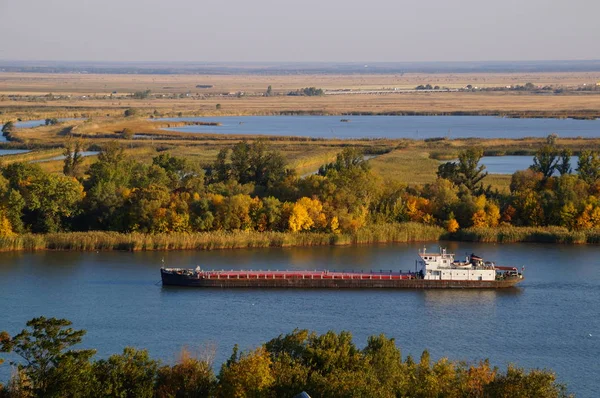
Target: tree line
(327, 365)
(249, 187)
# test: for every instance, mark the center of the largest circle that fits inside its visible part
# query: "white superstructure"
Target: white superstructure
(442, 266)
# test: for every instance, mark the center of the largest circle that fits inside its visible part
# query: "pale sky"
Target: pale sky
(294, 30)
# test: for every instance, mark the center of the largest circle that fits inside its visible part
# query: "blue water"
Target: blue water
(27, 124)
(62, 157)
(510, 164)
(12, 151)
(551, 321)
(414, 127)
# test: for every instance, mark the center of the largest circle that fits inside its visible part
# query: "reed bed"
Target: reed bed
(404, 232)
(218, 240)
(101, 241)
(510, 234)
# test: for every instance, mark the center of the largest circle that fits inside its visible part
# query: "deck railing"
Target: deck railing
(303, 275)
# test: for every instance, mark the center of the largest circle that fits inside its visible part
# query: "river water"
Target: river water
(552, 320)
(414, 127)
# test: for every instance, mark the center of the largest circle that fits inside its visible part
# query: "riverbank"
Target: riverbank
(510, 234)
(386, 233)
(100, 240)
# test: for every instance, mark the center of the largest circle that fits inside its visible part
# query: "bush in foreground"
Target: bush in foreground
(328, 365)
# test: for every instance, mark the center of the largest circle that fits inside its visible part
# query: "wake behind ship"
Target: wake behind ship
(433, 271)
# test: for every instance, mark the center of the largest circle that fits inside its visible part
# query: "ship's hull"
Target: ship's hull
(173, 279)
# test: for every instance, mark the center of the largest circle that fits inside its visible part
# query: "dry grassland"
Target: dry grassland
(78, 85)
(89, 84)
(434, 103)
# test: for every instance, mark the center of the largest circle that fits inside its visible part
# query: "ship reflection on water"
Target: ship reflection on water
(460, 297)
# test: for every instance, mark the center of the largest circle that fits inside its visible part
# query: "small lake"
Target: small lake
(510, 164)
(13, 151)
(62, 157)
(551, 321)
(28, 124)
(413, 127)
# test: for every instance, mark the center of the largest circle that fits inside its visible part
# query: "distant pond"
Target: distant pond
(62, 157)
(27, 124)
(414, 127)
(510, 164)
(13, 151)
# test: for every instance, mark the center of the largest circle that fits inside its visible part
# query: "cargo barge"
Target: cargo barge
(432, 271)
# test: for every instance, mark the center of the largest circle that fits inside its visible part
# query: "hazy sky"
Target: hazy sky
(293, 30)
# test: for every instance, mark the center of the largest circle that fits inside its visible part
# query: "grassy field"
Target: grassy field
(91, 84)
(84, 95)
(518, 104)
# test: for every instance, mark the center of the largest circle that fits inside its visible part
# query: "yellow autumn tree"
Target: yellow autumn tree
(247, 376)
(5, 226)
(334, 225)
(299, 218)
(487, 213)
(417, 209)
(452, 225)
(492, 212)
(314, 207)
(589, 218)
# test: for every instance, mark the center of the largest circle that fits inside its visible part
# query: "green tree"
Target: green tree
(142, 94)
(130, 112)
(11, 206)
(267, 167)
(146, 209)
(73, 158)
(385, 358)
(184, 174)
(253, 163)
(350, 158)
(467, 171)
(588, 166)
(8, 128)
(443, 195)
(517, 383)
(564, 166)
(546, 160)
(48, 201)
(108, 186)
(221, 169)
(51, 200)
(246, 375)
(240, 162)
(50, 367)
(189, 378)
(129, 375)
(350, 188)
(201, 215)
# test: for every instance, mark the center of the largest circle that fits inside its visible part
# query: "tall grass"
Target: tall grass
(381, 233)
(99, 240)
(510, 234)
